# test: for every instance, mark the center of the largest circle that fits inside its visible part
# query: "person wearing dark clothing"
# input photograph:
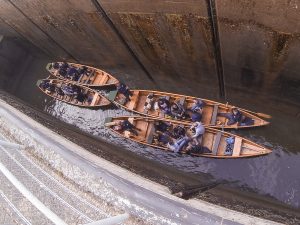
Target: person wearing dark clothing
(234, 117)
(81, 97)
(68, 90)
(81, 72)
(51, 88)
(60, 92)
(196, 117)
(194, 148)
(64, 66)
(124, 90)
(62, 72)
(196, 110)
(55, 66)
(125, 125)
(161, 139)
(72, 71)
(76, 89)
(197, 105)
(63, 69)
(161, 126)
(44, 84)
(178, 132)
(177, 111)
(164, 106)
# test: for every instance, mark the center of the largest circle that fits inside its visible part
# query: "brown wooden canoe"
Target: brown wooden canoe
(210, 112)
(213, 139)
(94, 78)
(92, 98)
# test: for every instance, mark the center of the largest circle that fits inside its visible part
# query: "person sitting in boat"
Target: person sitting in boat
(68, 90)
(196, 116)
(177, 111)
(162, 126)
(44, 84)
(55, 65)
(179, 144)
(50, 88)
(81, 72)
(161, 138)
(72, 73)
(124, 90)
(196, 110)
(62, 70)
(76, 89)
(149, 102)
(125, 125)
(197, 106)
(178, 132)
(235, 116)
(81, 97)
(198, 130)
(64, 65)
(194, 148)
(59, 92)
(164, 106)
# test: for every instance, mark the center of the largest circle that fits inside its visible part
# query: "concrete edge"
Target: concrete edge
(224, 213)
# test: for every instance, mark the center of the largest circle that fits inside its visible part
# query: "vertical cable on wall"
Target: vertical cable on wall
(112, 25)
(212, 13)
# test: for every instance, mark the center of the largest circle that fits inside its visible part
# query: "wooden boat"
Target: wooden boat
(90, 98)
(213, 140)
(93, 78)
(210, 111)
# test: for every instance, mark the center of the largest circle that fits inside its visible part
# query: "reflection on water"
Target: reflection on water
(275, 174)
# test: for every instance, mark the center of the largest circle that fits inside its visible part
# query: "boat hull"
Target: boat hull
(95, 99)
(96, 78)
(213, 139)
(210, 116)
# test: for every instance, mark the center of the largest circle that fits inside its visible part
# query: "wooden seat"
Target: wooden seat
(131, 120)
(80, 78)
(127, 133)
(104, 79)
(150, 136)
(89, 76)
(95, 99)
(214, 115)
(216, 143)
(237, 146)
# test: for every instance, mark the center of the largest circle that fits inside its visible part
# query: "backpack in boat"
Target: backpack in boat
(199, 150)
(229, 146)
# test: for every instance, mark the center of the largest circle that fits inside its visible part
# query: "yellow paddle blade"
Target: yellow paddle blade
(264, 115)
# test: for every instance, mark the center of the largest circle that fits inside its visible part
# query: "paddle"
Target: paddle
(263, 115)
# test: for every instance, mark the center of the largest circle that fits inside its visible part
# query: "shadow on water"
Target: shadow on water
(275, 175)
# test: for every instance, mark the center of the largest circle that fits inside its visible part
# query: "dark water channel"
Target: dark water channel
(275, 175)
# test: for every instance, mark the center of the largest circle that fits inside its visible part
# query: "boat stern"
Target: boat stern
(38, 83)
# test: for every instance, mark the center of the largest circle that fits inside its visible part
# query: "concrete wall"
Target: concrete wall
(171, 45)
(260, 43)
